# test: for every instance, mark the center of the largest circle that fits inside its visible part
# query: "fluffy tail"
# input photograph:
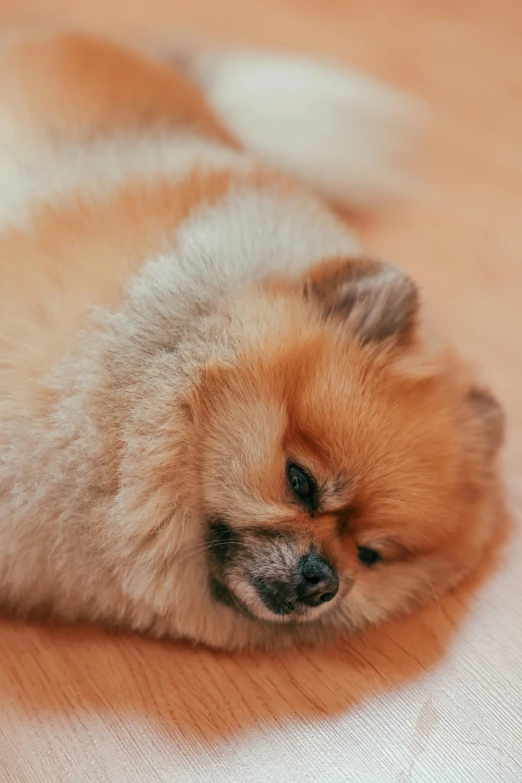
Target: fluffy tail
(347, 135)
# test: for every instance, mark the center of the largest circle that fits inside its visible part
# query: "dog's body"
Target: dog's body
(190, 341)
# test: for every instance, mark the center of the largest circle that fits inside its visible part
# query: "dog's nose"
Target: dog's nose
(318, 582)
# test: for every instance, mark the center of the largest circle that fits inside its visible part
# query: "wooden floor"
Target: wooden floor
(79, 704)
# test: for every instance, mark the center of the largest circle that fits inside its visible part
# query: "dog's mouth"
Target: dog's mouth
(253, 597)
(273, 597)
(266, 607)
(269, 576)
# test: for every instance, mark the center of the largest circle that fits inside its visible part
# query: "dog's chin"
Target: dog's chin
(244, 596)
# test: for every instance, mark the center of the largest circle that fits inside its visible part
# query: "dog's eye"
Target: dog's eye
(303, 485)
(368, 557)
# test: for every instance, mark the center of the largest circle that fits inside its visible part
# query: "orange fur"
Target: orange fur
(86, 87)
(409, 447)
(78, 257)
(229, 346)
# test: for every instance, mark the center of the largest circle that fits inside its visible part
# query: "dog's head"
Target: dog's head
(345, 467)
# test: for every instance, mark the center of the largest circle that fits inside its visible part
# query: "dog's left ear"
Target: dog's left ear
(378, 301)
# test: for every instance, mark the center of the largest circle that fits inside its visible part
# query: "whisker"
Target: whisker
(196, 549)
(434, 593)
(245, 611)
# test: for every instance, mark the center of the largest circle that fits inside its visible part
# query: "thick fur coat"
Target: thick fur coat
(205, 387)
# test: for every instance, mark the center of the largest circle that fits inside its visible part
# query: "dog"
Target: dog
(220, 420)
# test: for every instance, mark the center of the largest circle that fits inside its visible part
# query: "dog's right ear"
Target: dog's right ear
(377, 301)
(491, 416)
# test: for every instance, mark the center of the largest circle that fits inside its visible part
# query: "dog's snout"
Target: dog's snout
(290, 582)
(318, 581)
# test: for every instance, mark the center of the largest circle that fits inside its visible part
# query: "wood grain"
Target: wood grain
(81, 704)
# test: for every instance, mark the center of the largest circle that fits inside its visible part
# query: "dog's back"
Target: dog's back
(137, 198)
(97, 141)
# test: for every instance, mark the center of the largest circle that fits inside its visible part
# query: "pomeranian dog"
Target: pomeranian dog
(220, 421)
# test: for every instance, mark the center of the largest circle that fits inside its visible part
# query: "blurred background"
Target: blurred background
(80, 704)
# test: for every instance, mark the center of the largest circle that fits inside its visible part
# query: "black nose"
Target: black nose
(318, 582)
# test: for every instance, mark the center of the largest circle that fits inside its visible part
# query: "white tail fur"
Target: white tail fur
(345, 134)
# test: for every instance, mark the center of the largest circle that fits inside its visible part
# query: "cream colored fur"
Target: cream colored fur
(107, 472)
(345, 134)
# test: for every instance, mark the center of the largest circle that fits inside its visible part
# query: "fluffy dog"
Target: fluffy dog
(219, 420)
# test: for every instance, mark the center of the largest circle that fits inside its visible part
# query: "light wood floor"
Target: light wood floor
(79, 704)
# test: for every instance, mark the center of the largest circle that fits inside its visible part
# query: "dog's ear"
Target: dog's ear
(491, 417)
(378, 301)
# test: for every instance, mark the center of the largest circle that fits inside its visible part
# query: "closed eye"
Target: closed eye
(303, 485)
(368, 557)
